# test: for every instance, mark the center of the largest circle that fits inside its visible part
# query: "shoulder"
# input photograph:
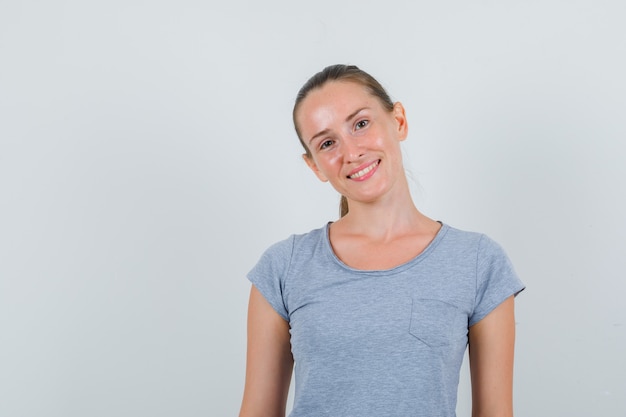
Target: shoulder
(279, 262)
(475, 251)
(284, 250)
(462, 237)
(461, 244)
(494, 274)
(479, 242)
(310, 238)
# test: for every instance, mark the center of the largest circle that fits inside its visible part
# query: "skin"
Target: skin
(347, 130)
(491, 346)
(268, 363)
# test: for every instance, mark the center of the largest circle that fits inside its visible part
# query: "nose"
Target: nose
(352, 149)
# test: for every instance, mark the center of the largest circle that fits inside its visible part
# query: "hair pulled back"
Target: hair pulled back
(340, 72)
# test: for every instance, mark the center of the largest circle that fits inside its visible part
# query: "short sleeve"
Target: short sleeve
(496, 279)
(269, 274)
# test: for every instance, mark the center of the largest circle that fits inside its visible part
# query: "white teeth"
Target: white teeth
(364, 171)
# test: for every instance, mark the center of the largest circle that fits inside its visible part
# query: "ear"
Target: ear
(311, 163)
(400, 117)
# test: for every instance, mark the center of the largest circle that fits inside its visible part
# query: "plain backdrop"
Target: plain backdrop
(147, 159)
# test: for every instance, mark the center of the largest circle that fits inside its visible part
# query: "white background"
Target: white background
(147, 159)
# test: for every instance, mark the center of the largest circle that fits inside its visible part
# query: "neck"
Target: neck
(387, 218)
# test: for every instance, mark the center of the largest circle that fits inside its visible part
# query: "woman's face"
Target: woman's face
(354, 142)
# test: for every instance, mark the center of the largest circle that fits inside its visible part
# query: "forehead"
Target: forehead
(333, 101)
(333, 93)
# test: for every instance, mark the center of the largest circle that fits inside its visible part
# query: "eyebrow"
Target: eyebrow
(325, 131)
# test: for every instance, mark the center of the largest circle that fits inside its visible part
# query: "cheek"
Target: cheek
(383, 142)
(392, 148)
(329, 161)
(335, 159)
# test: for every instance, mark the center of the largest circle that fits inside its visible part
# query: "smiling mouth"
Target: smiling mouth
(364, 171)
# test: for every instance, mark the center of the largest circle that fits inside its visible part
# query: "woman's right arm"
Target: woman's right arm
(269, 361)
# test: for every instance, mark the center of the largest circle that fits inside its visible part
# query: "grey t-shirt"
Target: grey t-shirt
(382, 343)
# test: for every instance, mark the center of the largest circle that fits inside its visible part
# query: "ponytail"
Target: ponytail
(343, 206)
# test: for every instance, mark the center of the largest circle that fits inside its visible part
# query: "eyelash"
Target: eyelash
(323, 144)
(361, 124)
(357, 126)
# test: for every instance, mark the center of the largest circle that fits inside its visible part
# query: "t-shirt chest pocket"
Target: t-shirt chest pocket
(437, 323)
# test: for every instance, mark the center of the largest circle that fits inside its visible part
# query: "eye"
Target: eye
(361, 124)
(326, 143)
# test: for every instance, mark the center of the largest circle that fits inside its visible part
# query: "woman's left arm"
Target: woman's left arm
(491, 346)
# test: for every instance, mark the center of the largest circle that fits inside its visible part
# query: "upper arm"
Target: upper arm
(491, 347)
(268, 362)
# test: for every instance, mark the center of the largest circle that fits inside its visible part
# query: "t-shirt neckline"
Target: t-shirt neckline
(396, 269)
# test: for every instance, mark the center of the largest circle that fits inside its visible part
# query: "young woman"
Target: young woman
(377, 308)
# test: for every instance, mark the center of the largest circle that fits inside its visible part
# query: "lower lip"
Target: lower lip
(368, 175)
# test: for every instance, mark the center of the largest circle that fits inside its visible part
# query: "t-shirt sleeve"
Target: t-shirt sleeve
(496, 279)
(269, 274)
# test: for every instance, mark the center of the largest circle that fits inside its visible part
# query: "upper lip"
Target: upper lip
(363, 166)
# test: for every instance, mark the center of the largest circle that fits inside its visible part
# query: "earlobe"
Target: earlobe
(309, 161)
(400, 116)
